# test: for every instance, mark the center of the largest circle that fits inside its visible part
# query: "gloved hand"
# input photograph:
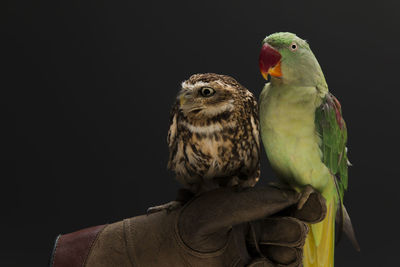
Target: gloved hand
(252, 227)
(275, 236)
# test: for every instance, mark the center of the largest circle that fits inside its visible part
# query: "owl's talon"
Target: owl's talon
(280, 185)
(305, 194)
(168, 207)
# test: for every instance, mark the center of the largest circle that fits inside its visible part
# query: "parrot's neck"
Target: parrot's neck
(292, 99)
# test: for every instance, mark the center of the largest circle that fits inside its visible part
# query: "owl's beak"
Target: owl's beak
(270, 61)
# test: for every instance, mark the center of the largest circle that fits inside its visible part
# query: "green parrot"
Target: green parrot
(305, 136)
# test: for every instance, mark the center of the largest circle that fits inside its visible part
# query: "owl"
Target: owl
(213, 137)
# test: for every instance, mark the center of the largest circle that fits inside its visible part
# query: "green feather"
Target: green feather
(305, 138)
(333, 133)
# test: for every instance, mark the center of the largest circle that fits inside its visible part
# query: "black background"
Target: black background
(86, 88)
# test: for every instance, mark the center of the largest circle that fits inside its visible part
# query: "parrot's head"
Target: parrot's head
(289, 59)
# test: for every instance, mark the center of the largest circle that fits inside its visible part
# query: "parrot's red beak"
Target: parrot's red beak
(270, 62)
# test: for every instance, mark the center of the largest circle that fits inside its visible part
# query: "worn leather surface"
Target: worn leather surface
(110, 248)
(72, 250)
(212, 229)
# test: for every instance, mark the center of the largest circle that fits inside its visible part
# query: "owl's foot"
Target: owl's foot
(182, 197)
(280, 185)
(168, 207)
(305, 194)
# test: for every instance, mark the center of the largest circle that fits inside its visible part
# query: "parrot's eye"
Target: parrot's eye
(207, 91)
(293, 46)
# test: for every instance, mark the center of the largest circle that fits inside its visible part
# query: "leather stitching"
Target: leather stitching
(129, 245)
(196, 253)
(92, 243)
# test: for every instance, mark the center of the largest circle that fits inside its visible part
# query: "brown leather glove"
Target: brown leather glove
(280, 238)
(210, 230)
(219, 219)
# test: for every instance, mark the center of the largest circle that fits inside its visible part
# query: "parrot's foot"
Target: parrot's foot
(168, 207)
(305, 194)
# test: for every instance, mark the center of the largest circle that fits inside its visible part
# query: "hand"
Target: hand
(218, 219)
(280, 238)
(225, 227)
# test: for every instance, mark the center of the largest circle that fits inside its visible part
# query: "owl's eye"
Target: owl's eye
(207, 91)
(293, 46)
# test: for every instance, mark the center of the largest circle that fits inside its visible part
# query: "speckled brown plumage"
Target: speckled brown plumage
(214, 140)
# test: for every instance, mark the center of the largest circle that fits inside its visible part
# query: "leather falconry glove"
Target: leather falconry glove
(212, 229)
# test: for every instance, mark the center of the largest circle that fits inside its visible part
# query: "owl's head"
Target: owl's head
(208, 95)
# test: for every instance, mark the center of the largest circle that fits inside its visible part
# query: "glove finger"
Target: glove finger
(313, 211)
(222, 208)
(261, 262)
(283, 256)
(282, 231)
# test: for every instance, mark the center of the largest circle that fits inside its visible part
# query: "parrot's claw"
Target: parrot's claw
(168, 207)
(305, 194)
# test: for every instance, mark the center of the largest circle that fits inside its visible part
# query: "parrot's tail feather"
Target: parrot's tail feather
(348, 229)
(321, 253)
(339, 213)
(339, 223)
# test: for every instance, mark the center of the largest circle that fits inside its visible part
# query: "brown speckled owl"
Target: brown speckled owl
(213, 138)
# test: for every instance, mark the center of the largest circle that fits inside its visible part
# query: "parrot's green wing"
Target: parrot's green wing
(333, 132)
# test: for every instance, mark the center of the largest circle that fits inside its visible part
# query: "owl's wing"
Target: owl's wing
(173, 132)
(173, 127)
(251, 110)
(254, 119)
